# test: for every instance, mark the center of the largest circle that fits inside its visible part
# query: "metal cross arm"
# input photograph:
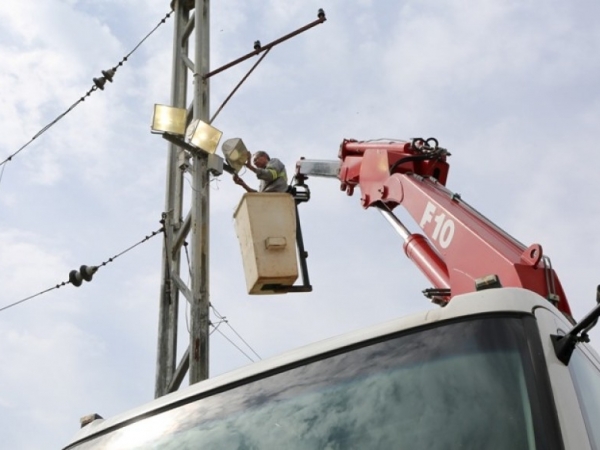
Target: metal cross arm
(184, 145)
(258, 48)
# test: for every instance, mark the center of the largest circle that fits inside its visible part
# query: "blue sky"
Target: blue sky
(510, 88)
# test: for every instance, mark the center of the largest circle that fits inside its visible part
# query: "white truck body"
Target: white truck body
(569, 406)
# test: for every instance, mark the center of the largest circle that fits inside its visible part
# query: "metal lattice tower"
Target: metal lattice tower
(192, 18)
(191, 22)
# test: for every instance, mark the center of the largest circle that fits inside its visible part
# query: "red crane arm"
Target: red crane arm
(459, 245)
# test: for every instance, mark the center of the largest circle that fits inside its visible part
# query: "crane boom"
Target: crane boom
(460, 250)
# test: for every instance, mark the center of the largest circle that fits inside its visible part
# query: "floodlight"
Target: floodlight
(168, 119)
(235, 153)
(204, 136)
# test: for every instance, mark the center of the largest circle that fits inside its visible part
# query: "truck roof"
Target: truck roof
(505, 300)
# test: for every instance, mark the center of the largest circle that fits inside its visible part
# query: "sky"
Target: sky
(509, 88)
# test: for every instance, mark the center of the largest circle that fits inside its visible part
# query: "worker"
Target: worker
(270, 172)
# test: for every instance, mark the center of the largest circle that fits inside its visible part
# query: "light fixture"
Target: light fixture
(235, 153)
(204, 136)
(168, 119)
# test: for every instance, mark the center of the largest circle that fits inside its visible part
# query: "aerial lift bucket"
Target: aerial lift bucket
(265, 224)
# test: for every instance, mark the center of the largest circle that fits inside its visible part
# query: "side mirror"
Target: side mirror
(564, 345)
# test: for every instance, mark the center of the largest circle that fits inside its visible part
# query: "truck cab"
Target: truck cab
(480, 372)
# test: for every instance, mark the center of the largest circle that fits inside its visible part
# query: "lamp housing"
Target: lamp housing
(169, 119)
(236, 154)
(203, 136)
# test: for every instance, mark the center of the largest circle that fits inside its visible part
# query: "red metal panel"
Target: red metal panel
(467, 245)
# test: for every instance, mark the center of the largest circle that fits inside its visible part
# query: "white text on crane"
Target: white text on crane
(444, 228)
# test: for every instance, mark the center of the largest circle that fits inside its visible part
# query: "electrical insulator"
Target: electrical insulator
(76, 277)
(99, 82)
(107, 75)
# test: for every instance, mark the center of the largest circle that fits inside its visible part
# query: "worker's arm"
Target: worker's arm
(237, 180)
(267, 174)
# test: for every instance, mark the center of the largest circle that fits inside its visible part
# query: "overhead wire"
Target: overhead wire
(53, 122)
(35, 295)
(48, 126)
(94, 88)
(234, 344)
(108, 261)
(222, 318)
(45, 128)
(98, 84)
(215, 326)
(147, 238)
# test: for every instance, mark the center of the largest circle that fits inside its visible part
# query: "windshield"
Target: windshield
(468, 384)
(586, 377)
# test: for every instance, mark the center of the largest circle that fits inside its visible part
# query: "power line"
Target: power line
(95, 268)
(98, 84)
(222, 318)
(215, 325)
(147, 238)
(234, 344)
(44, 129)
(35, 295)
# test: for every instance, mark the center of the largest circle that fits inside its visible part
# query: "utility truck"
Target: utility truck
(501, 364)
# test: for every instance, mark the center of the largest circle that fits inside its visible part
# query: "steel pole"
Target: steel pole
(169, 294)
(199, 314)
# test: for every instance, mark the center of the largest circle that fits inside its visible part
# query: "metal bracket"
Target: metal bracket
(173, 139)
(300, 196)
(565, 345)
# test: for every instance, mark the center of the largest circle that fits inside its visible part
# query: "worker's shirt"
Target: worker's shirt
(273, 177)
